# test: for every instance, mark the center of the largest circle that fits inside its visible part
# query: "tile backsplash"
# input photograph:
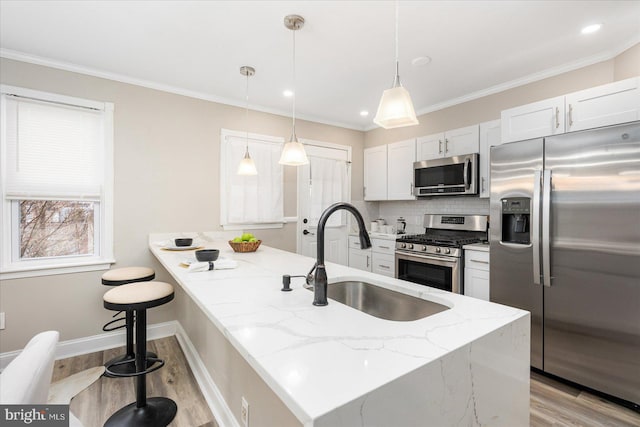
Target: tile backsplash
(413, 210)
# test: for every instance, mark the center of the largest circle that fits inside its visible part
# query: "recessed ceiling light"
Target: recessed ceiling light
(420, 61)
(591, 28)
(364, 113)
(288, 93)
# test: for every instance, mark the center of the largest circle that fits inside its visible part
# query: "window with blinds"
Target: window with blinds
(56, 184)
(251, 201)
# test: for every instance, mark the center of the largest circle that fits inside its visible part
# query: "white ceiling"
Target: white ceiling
(345, 52)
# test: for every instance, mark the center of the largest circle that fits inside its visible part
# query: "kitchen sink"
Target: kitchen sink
(380, 302)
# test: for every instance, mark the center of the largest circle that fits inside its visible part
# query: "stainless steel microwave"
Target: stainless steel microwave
(450, 176)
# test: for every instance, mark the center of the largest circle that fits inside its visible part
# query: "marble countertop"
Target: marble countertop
(316, 359)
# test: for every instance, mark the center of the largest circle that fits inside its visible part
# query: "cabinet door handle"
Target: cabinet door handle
(479, 261)
(482, 184)
(439, 146)
(557, 117)
(386, 267)
(384, 247)
(446, 145)
(570, 115)
(367, 261)
(305, 232)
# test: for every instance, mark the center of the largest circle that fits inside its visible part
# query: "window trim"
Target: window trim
(10, 269)
(225, 168)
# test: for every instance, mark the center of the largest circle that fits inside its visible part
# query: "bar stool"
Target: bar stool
(155, 411)
(117, 277)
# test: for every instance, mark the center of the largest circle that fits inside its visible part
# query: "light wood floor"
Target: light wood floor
(174, 380)
(552, 403)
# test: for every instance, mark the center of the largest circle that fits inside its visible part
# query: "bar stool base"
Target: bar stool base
(158, 412)
(126, 368)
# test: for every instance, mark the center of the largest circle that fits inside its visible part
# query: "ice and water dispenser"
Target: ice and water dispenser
(516, 219)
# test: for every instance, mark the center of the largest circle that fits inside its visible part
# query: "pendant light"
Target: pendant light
(293, 153)
(396, 109)
(247, 166)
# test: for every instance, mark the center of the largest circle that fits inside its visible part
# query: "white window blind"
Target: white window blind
(254, 199)
(54, 151)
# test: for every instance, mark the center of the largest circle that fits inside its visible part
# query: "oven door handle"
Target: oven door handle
(446, 262)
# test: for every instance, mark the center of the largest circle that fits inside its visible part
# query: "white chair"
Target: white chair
(27, 379)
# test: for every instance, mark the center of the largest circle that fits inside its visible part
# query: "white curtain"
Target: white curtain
(328, 179)
(253, 199)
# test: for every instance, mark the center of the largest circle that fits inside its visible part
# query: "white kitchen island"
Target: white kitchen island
(336, 366)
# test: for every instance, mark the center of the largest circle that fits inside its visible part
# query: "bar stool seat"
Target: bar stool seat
(138, 297)
(125, 275)
(118, 277)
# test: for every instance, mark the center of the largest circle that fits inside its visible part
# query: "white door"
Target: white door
(400, 158)
(375, 173)
(535, 120)
(605, 105)
(324, 181)
(430, 147)
(460, 141)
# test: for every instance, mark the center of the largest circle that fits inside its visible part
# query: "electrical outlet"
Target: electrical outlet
(2, 320)
(245, 412)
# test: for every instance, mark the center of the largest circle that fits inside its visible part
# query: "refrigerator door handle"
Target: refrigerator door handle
(546, 232)
(535, 227)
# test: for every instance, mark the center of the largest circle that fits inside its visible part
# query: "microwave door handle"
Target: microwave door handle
(467, 180)
(535, 227)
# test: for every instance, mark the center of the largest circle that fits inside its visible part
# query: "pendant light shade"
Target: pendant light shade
(293, 152)
(396, 108)
(247, 165)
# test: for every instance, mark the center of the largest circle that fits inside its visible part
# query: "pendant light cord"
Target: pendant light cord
(396, 80)
(294, 137)
(246, 114)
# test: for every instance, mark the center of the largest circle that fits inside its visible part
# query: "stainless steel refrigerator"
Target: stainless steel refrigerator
(565, 245)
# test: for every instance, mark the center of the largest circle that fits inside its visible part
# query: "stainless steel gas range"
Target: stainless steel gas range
(435, 257)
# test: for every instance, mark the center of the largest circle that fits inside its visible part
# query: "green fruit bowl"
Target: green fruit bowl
(245, 246)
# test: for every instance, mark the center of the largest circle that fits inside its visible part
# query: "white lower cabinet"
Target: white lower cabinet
(383, 264)
(359, 258)
(476, 274)
(380, 258)
(383, 260)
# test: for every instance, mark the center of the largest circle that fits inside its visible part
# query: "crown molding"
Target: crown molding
(67, 66)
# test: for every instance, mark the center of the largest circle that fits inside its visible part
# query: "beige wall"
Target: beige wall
(155, 132)
(489, 107)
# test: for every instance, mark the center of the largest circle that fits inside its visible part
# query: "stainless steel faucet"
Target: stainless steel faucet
(320, 277)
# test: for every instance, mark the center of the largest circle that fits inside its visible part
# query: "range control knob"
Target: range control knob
(447, 251)
(424, 248)
(437, 250)
(403, 245)
(410, 246)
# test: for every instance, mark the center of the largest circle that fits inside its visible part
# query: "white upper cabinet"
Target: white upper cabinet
(451, 143)
(542, 118)
(375, 173)
(490, 136)
(605, 105)
(610, 104)
(400, 158)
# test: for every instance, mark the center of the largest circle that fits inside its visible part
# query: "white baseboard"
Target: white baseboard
(100, 342)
